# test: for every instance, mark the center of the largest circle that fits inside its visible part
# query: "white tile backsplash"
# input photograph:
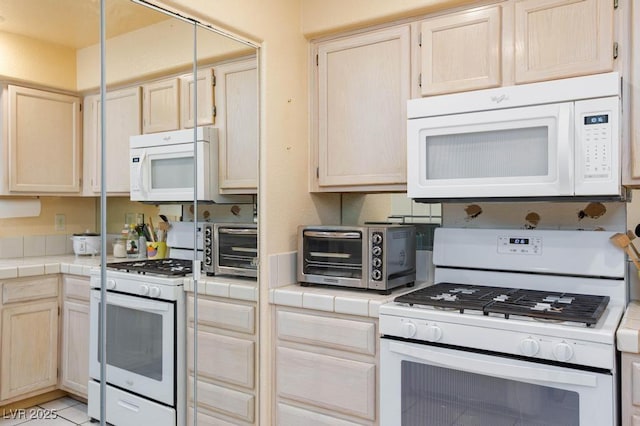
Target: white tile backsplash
(56, 244)
(11, 247)
(34, 245)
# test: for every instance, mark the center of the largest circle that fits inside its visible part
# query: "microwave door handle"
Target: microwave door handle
(565, 150)
(141, 172)
(324, 234)
(495, 369)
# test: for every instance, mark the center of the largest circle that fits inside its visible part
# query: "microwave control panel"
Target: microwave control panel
(596, 144)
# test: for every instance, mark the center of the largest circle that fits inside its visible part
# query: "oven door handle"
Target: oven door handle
(495, 369)
(139, 303)
(331, 234)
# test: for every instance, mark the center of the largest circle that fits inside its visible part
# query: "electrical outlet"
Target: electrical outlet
(60, 222)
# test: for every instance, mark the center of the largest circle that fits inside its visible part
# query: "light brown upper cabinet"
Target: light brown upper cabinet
(562, 38)
(206, 109)
(123, 120)
(236, 98)
(43, 140)
(461, 51)
(161, 106)
(362, 84)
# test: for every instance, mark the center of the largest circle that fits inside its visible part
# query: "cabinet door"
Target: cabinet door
(461, 52)
(562, 38)
(160, 106)
(75, 347)
(363, 83)
(29, 348)
(44, 141)
(204, 88)
(237, 121)
(123, 119)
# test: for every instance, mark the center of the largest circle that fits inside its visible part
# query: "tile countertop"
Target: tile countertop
(339, 300)
(32, 266)
(628, 334)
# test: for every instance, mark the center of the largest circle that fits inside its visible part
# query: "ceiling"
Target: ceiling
(73, 23)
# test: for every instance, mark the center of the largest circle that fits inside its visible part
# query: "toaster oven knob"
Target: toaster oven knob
(143, 290)
(111, 284)
(207, 260)
(377, 262)
(376, 250)
(376, 274)
(529, 346)
(207, 242)
(433, 333)
(154, 292)
(408, 329)
(376, 238)
(207, 251)
(562, 351)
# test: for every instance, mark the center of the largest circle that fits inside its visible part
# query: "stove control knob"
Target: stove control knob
(143, 290)
(563, 351)
(154, 292)
(529, 346)
(111, 284)
(433, 333)
(408, 329)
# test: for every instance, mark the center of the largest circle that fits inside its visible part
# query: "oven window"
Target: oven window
(494, 154)
(237, 249)
(134, 341)
(172, 173)
(333, 257)
(439, 396)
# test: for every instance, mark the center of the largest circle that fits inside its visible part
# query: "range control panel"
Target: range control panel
(511, 244)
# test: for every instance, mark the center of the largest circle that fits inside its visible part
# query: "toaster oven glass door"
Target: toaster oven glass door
(333, 254)
(238, 248)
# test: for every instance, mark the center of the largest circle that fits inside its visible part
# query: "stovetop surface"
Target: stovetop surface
(557, 306)
(165, 267)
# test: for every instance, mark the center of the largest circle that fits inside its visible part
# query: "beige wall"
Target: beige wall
(26, 59)
(136, 55)
(80, 215)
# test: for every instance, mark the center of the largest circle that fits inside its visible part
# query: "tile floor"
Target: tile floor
(61, 412)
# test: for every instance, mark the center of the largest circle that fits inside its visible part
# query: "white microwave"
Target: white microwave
(161, 167)
(552, 139)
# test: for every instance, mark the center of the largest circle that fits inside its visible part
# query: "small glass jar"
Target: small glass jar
(119, 248)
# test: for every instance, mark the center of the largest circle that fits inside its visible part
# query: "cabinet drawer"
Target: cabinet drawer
(288, 415)
(224, 358)
(76, 287)
(33, 288)
(230, 402)
(205, 419)
(229, 316)
(326, 381)
(337, 333)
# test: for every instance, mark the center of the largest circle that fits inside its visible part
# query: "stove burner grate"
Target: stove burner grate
(557, 306)
(167, 267)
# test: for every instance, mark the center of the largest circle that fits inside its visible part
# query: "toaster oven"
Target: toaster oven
(236, 249)
(375, 257)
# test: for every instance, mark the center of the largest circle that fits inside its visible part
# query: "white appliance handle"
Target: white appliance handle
(141, 169)
(495, 369)
(564, 133)
(134, 302)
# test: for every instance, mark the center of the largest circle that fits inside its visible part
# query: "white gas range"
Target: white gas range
(145, 343)
(519, 328)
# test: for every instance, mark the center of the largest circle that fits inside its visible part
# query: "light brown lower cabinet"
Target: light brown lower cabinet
(74, 354)
(29, 343)
(326, 369)
(226, 358)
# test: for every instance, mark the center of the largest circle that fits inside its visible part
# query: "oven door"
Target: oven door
(428, 385)
(515, 152)
(140, 345)
(165, 173)
(236, 250)
(334, 257)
